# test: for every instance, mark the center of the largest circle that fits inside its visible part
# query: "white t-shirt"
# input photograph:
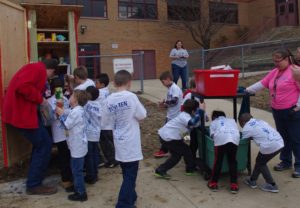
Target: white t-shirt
(83, 86)
(224, 130)
(174, 91)
(105, 122)
(267, 138)
(76, 139)
(181, 62)
(126, 110)
(176, 128)
(92, 113)
(57, 128)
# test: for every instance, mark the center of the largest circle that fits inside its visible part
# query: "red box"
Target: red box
(216, 82)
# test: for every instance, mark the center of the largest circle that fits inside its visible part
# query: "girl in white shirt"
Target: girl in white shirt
(225, 133)
(270, 144)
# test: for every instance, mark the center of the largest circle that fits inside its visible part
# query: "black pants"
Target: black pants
(177, 149)
(194, 143)
(107, 145)
(163, 146)
(262, 168)
(230, 150)
(64, 157)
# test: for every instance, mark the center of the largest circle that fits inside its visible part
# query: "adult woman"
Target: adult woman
(179, 63)
(285, 103)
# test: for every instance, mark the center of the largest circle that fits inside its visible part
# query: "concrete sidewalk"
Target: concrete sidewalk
(180, 192)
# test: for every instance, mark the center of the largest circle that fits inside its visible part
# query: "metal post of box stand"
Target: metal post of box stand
(202, 127)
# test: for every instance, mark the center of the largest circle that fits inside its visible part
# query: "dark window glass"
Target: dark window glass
(92, 8)
(138, 9)
(291, 8)
(188, 10)
(223, 13)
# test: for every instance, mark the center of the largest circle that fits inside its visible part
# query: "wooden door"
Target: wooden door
(287, 12)
(149, 64)
(92, 62)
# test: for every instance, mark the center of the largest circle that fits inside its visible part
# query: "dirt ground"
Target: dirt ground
(150, 143)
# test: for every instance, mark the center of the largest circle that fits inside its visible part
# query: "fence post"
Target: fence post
(142, 70)
(202, 57)
(243, 66)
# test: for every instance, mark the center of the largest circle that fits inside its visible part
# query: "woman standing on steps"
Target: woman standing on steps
(179, 63)
(285, 102)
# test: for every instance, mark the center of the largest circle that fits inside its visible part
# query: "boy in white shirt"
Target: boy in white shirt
(172, 103)
(73, 121)
(270, 144)
(225, 133)
(59, 136)
(81, 78)
(172, 134)
(126, 111)
(92, 113)
(106, 134)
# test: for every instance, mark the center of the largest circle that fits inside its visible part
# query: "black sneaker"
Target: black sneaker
(282, 166)
(90, 180)
(78, 197)
(162, 175)
(70, 189)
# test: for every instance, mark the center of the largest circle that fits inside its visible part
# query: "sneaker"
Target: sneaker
(162, 175)
(41, 190)
(269, 187)
(213, 186)
(89, 180)
(66, 184)
(296, 174)
(193, 173)
(70, 189)
(78, 197)
(234, 188)
(281, 166)
(101, 165)
(251, 184)
(160, 154)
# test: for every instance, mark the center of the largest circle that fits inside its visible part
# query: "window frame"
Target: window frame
(228, 6)
(93, 13)
(131, 4)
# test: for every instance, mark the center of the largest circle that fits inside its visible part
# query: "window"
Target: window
(92, 8)
(223, 13)
(188, 10)
(138, 9)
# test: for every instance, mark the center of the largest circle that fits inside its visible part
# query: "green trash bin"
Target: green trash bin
(242, 153)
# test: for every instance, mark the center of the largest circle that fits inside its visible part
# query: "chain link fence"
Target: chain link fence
(247, 57)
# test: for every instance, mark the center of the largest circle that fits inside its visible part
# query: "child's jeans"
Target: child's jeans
(127, 195)
(261, 167)
(107, 145)
(92, 160)
(77, 171)
(64, 157)
(177, 149)
(230, 149)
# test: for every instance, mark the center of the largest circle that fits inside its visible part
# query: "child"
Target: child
(106, 134)
(92, 112)
(59, 137)
(81, 78)
(193, 134)
(126, 110)
(270, 144)
(73, 121)
(172, 103)
(226, 136)
(172, 134)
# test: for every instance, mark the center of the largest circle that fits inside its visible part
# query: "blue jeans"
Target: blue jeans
(92, 160)
(179, 71)
(40, 155)
(288, 125)
(127, 194)
(77, 171)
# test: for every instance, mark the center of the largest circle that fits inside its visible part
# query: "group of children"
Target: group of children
(90, 117)
(184, 116)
